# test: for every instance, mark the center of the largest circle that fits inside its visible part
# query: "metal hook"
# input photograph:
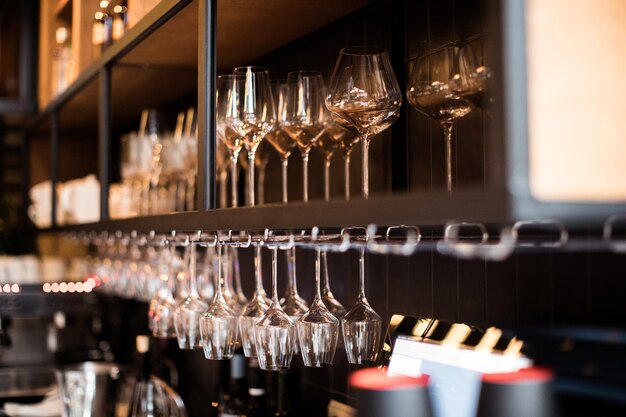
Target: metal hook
(617, 245)
(563, 235)
(450, 245)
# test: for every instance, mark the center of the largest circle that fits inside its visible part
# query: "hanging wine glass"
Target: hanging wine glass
(255, 115)
(227, 283)
(333, 305)
(163, 317)
(363, 90)
(292, 304)
(227, 100)
(361, 325)
(218, 325)
(318, 329)
(189, 310)
(304, 121)
(436, 89)
(205, 274)
(255, 309)
(277, 137)
(275, 332)
(241, 297)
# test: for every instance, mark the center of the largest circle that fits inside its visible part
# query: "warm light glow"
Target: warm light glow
(420, 327)
(433, 327)
(214, 404)
(6, 288)
(87, 287)
(514, 348)
(489, 340)
(71, 287)
(54, 287)
(15, 288)
(63, 287)
(79, 287)
(99, 15)
(576, 89)
(46, 287)
(104, 4)
(457, 335)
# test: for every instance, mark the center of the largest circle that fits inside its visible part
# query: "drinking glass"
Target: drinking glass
(165, 305)
(345, 135)
(473, 66)
(241, 297)
(327, 146)
(277, 137)
(218, 325)
(436, 88)
(318, 329)
(227, 99)
(261, 161)
(275, 332)
(189, 310)
(294, 305)
(304, 120)
(333, 305)
(255, 115)
(190, 137)
(255, 309)
(361, 325)
(222, 160)
(364, 91)
(227, 283)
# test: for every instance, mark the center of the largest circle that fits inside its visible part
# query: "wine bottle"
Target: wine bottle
(287, 394)
(257, 392)
(235, 399)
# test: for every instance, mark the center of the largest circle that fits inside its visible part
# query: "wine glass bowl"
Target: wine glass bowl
(363, 91)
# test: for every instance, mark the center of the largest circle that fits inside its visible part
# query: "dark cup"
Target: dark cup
(525, 393)
(378, 395)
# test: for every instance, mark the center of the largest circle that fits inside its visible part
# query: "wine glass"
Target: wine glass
(218, 325)
(255, 115)
(327, 146)
(255, 309)
(227, 99)
(277, 137)
(473, 67)
(347, 137)
(318, 329)
(361, 325)
(262, 160)
(189, 310)
(333, 305)
(165, 305)
(364, 91)
(190, 136)
(222, 160)
(294, 305)
(436, 87)
(275, 332)
(241, 297)
(227, 283)
(304, 120)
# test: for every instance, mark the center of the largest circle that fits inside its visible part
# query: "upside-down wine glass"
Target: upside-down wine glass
(318, 329)
(163, 317)
(333, 305)
(436, 88)
(294, 305)
(275, 332)
(218, 325)
(304, 121)
(251, 313)
(363, 90)
(255, 116)
(277, 137)
(189, 310)
(241, 297)
(361, 325)
(227, 101)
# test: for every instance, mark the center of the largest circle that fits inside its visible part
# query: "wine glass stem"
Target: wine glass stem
(238, 288)
(274, 275)
(193, 289)
(257, 269)
(362, 274)
(284, 162)
(318, 295)
(251, 156)
(218, 277)
(447, 130)
(365, 166)
(327, 179)
(261, 184)
(233, 178)
(326, 279)
(346, 172)
(305, 176)
(223, 181)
